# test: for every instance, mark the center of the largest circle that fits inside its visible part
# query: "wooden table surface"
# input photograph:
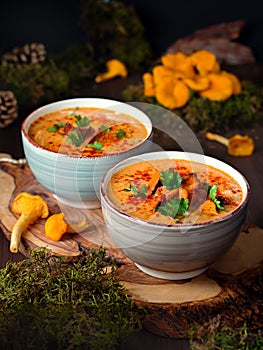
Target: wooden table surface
(250, 167)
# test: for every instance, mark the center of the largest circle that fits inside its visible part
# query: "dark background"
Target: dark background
(56, 23)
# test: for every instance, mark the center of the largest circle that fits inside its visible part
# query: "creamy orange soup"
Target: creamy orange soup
(174, 191)
(87, 132)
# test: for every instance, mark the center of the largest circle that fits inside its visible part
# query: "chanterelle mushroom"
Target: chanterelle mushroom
(30, 208)
(115, 68)
(56, 226)
(237, 145)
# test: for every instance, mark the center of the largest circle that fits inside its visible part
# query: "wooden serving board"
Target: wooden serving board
(229, 292)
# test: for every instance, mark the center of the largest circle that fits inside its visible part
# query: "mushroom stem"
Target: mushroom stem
(218, 138)
(19, 227)
(104, 76)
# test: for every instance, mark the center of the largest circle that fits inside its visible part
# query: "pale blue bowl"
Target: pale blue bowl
(76, 181)
(173, 252)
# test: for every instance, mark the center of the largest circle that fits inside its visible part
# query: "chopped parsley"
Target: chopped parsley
(56, 127)
(212, 195)
(136, 192)
(96, 145)
(75, 137)
(120, 134)
(171, 179)
(82, 121)
(175, 207)
(105, 128)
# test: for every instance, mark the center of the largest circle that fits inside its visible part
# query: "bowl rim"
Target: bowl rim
(24, 132)
(168, 227)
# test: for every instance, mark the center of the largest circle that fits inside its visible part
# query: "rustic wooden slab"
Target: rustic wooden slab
(15, 179)
(230, 291)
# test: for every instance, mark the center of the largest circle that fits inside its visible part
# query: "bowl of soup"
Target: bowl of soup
(174, 213)
(70, 144)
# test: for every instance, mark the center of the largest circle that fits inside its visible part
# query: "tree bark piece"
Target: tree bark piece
(219, 40)
(229, 293)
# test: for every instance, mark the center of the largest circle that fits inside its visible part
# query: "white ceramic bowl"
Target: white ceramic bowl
(75, 181)
(173, 252)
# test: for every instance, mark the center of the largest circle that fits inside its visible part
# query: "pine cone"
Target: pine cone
(28, 54)
(8, 108)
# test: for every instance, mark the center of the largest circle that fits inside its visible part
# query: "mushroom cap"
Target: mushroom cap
(117, 67)
(237, 87)
(179, 62)
(197, 83)
(220, 88)
(149, 86)
(204, 61)
(56, 226)
(29, 204)
(162, 72)
(240, 145)
(172, 93)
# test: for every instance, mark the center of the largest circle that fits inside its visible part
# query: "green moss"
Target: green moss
(77, 61)
(202, 114)
(34, 84)
(113, 30)
(47, 303)
(238, 111)
(228, 339)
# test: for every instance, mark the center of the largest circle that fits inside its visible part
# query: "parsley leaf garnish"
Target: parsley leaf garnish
(120, 134)
(171, 179)
(105, 128)
(212, 195)
(82, 121)
(55, 127)
(96, 145)
(135, 192)
(75, 137)
(174, 208)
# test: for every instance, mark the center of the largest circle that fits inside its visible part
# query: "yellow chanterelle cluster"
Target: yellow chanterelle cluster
(171, 82)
